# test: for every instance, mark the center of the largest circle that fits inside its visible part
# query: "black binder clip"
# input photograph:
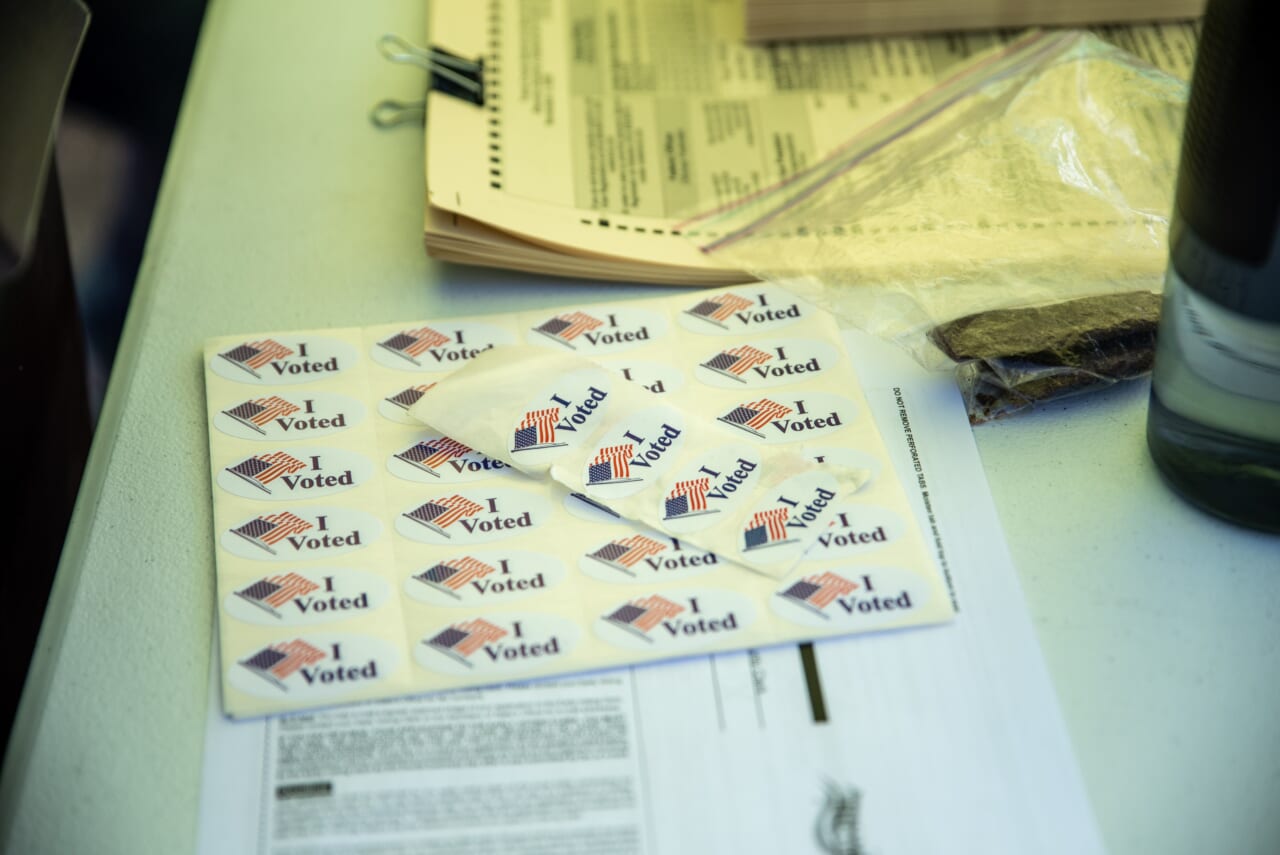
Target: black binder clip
(450, 73)
(461, 78)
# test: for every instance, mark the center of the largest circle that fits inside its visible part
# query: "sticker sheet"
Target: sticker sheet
(640, 455)
(363, 554)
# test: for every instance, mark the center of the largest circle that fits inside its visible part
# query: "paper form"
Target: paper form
(944, 739)
(361, 554)
(609, 122)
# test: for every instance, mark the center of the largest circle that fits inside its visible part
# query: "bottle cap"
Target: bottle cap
(1228, 197)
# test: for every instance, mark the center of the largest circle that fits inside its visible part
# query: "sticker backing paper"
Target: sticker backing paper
(364, 554)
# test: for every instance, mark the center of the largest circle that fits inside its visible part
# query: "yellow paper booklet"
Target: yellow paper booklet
(361, 554)
(601, 126)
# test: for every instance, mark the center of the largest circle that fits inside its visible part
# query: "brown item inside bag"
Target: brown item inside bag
(1009, 359)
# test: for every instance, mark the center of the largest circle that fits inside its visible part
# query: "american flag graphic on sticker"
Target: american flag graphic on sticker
(611, 465)
(257, 413)
(265, 532)
(737, 361)
(565, 328)
(624, 553)
(410, 344)
(450, 576)
(816, 592)
(272, 592)
(687, 499)
(537, 430)
(753, 417)
(439, 514)
(277, 662)
(766, 528)
(407, 397)
(641, 615)
(717, 310)
(262, 469)
(253, 355)
(429, 454)
(460, 640)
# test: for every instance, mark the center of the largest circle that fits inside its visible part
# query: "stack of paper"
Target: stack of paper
(937, 739)
(603, 126)
(785, 19)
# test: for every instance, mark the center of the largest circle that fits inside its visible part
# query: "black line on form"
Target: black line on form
(811, 679)
(753, 663)
(715, 688)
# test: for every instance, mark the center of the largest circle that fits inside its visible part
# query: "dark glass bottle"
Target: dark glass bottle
(1213, 427)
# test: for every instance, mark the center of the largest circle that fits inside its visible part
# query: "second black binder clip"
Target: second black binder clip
(449, 73)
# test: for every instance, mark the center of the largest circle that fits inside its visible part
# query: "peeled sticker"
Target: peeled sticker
(615, 445)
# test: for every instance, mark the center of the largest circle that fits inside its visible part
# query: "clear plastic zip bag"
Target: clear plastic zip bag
(1012, 221)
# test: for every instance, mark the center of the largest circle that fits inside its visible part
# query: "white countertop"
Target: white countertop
(284, 208)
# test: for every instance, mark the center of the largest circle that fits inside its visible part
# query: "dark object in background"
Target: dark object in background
(1009, 359)
(1213, 424)
(46, 430)
(131, 76)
